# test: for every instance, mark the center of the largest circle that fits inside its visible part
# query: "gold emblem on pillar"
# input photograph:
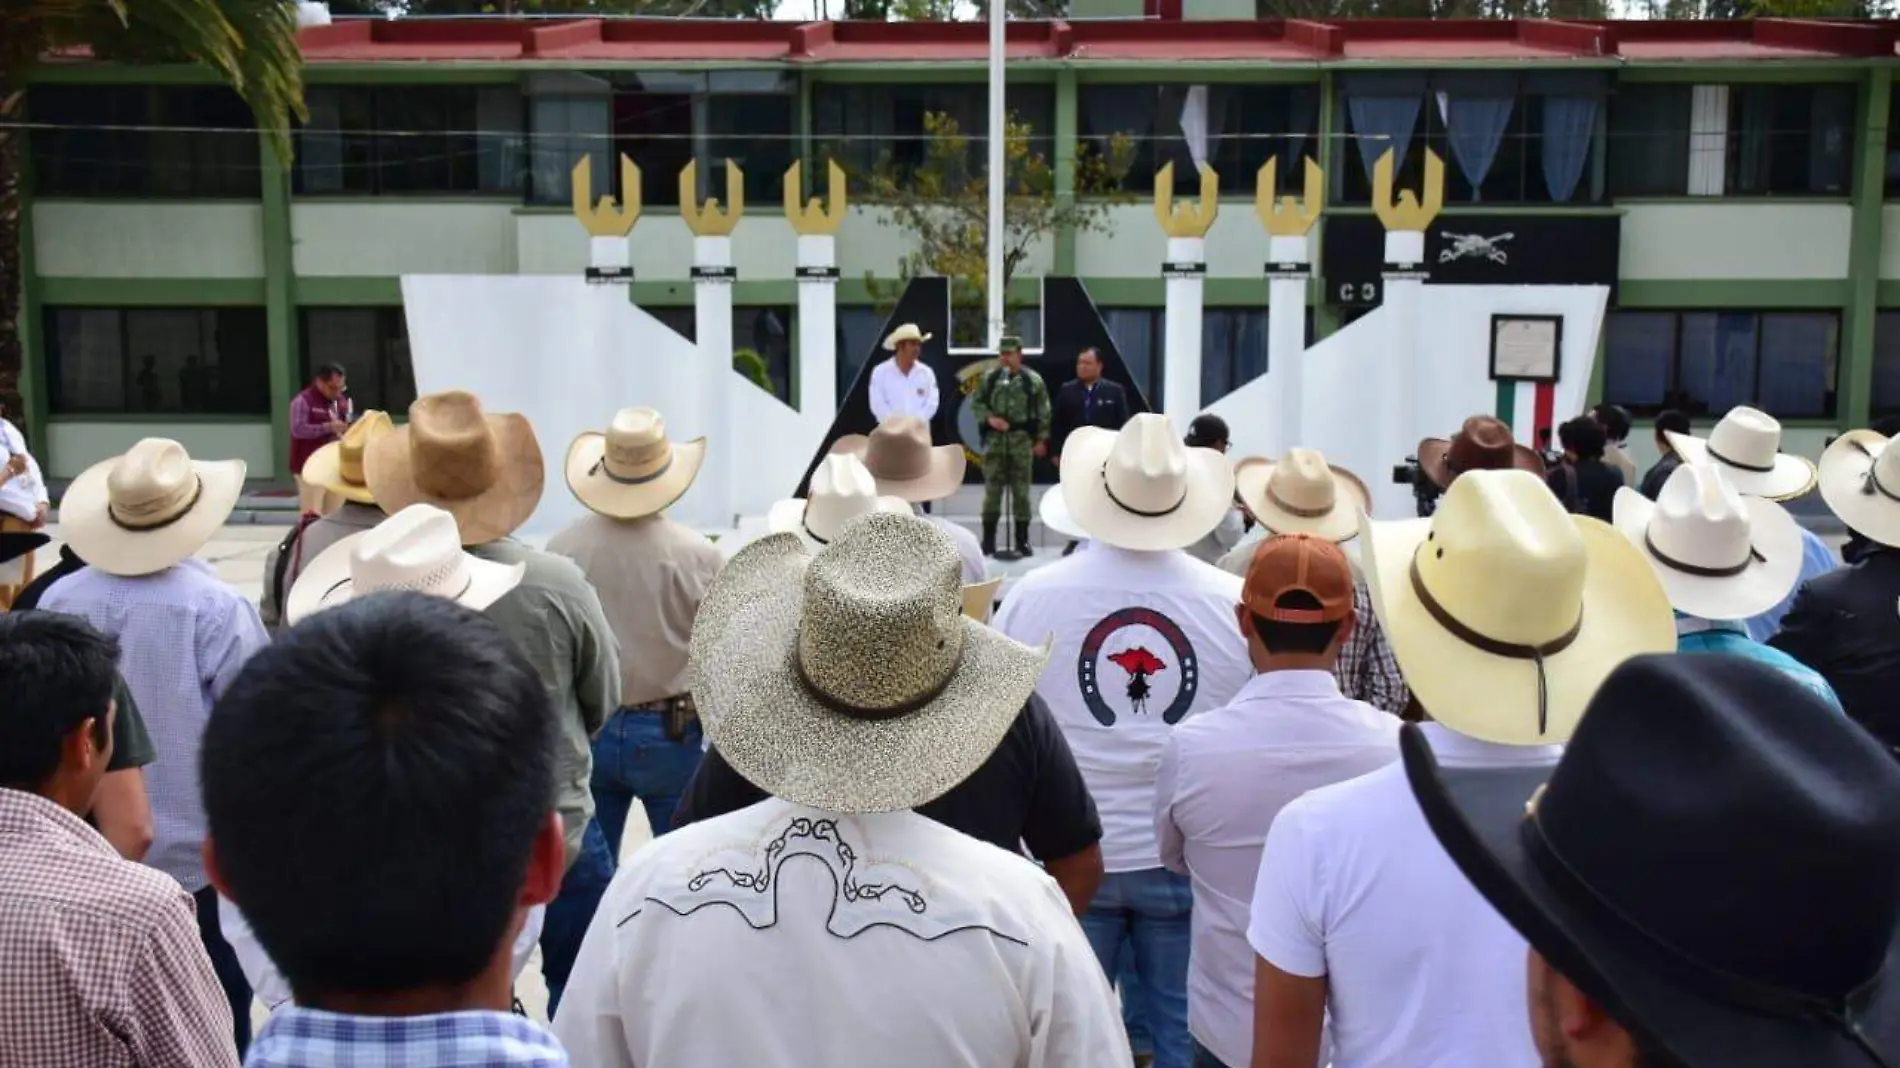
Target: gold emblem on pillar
(1186, 219)
(709, 219)
(1291, 216)
(1406, 213)
(607, 218)
(814, 219)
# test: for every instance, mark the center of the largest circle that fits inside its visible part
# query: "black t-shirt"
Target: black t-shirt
(1029, 793)
(1587, 487)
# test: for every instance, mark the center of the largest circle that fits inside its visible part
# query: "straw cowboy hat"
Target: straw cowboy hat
(979, 598)
(141, 513)
(632, 470)
(1141, 488)
(1860, 481)
(485, 470)
(1719, 555)
(1746, 445)
(1054, 513)
(906, 332)
(418, 549)
(841, 490)
(1482, 444)
(850, 680)
(1302, 494)
(1505, 612)
(903, 461)
(338, 466)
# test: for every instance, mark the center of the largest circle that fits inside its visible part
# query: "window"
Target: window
(862, 126)
(106, 141)
(1234, 128)
(411, 139)
(766, 331)
(372, 347)
(1887, 363)
(1706, 362)
(170, 361)
(1772, 140)
(1233, 348)
(1893, 145)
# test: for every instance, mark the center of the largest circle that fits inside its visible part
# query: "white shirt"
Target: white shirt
(975, 570)
(1421, 972)
(1224, 777)
(23, 494)
(895, 393)
(1142, 640)
(781, 936)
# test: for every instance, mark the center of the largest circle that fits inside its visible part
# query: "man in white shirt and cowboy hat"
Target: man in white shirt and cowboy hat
(335, 471)
(24, 504)
(904, 384)
(855, 932)
(899, 455)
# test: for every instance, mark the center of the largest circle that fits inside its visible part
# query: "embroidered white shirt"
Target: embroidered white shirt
(895, 393)
(23, 494)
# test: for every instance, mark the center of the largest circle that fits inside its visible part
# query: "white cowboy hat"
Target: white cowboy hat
(632, 470)
(979, 598)
(905, 464)
(841, 490)
(1141, 488)
(906, 332)
(416, 549)
(1054, 513)
(1505, 612)
(1720, 555)
(850, 680)
(1302, 494)
(338, 466)
(485, 470)
(1746, 445)
(1860, 481)
(142, 512)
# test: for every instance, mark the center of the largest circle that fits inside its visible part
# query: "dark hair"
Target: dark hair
(1207, 431)
(1615, 419)
(1090, 350)
(1583, 436)
(1673, 421)
(374, 783)
(1309, 638)
(56, 672)
(327, 371)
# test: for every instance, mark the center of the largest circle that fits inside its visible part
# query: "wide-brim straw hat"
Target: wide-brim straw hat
(1054, 513)
(841, 490)
(1140, 488)
(142, 512)
(632, 470)
(338, 466)
(1505, 612)
(418, 549)
(850, 680)
(899, 455)
(906, 332)
(1860, 481)
(485, 470)
(1302, 494)
(1718, 554)
(979, 598)
(1483, 443)
(1746, 446)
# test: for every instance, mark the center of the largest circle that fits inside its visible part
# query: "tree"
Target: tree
(747, 9)
(250, 44)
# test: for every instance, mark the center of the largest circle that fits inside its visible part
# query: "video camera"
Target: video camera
(1425, 492)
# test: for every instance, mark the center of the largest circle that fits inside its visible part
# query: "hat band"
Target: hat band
(1734, 989)
(812, 534)
(1758, 469)
(1871, 483)
(1169, 510)
(601, 468)
(140, 526)
(1698, 570)
(866, 712)
(1515, 650)
(1304, 513)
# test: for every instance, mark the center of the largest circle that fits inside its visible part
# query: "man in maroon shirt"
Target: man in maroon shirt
(318, 415)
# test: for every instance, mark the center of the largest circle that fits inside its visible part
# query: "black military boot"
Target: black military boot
(1022, 539)
(989, 535)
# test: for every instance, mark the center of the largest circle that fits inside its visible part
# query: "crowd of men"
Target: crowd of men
(1315, 803)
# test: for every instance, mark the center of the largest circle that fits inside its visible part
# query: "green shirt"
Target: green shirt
(1021, 398)
(131, 743)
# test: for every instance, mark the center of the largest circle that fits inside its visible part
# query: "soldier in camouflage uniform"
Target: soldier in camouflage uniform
(1012, 405)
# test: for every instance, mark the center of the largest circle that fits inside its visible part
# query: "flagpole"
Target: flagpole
(998, 128)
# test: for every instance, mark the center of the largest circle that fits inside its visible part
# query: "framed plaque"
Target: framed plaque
(1526, 348)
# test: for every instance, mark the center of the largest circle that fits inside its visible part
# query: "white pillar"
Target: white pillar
(1398, 390)
(1186, 271)
(997, 179)
(817, 327)
(1287, 273)
(712, 306)
(609, 258)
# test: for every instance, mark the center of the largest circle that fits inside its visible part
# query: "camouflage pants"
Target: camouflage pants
(1008, 463)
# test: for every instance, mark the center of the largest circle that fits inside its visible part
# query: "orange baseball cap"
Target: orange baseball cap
(1298, 563)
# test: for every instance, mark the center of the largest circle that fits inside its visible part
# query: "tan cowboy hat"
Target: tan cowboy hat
(1505, 612)
(140, 513)
(632, 470)
(1054, 513)
(1483, 443)
(338, 466)
(979, 598)
(1860, 481)
(1720, 555)
(1302, 494)
(850, 680)
(1141, 488)
(417, 549)
(485, 470)
(906, 332)
(1746, 445)
(905, 464)
(841, 490)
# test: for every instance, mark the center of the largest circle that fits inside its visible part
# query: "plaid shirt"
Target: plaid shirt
(1367, 671)
(100, 961)
(307, 1038)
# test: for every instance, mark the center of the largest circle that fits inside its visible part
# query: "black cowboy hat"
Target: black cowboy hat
(15, 544)
(1715, 861)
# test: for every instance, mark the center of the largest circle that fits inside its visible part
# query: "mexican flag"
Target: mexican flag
(1529, 409)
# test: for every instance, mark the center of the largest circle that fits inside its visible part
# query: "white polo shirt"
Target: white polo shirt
(1421, 972)
(1142, 641)
(23, 494)
(1224, 777)
(895, 393)
(781, 936)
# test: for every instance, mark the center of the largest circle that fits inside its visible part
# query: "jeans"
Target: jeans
(633, 758)
(224, 963)
(1148, 911)
(1126, 981)
(1203, 1058)
(572, 910)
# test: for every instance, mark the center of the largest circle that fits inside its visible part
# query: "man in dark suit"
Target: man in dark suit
(1086, 400)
